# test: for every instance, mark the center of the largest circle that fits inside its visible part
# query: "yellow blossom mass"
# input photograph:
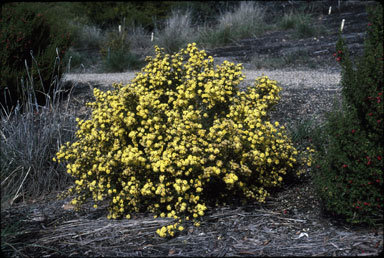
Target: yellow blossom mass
(180, 130)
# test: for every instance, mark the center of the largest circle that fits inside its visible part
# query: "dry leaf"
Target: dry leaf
(68, 206)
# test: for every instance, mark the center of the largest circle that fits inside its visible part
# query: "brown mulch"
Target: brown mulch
(290, 223)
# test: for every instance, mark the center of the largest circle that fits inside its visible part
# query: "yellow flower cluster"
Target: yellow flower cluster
(180, 129)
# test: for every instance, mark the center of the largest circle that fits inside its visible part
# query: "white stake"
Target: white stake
(330, 9)
(152, 36)
(119, 28)
(342, 24)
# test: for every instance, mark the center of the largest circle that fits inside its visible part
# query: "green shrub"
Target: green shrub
(114, 41)
(104, 14)
(293, 19)
(211, 37)
(88, 37)
(304, 30)
(179, 137)
(116, 53)
(302, 21)
(120, 61)
(349, 167)
(26, 29)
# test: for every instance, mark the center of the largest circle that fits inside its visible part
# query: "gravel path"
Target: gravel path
(324, 79)
(306, 94)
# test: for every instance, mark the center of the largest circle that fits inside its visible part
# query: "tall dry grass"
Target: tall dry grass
(30, 136)
(177, 32)
(247, 20)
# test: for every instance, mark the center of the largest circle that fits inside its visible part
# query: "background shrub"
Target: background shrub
(114, 40)
(105, 15)
(88, 37)
(176, 33)
(120, 61)
(116, 53)
(181, 136)
(245, 20)
(349, 166)
(26, 29)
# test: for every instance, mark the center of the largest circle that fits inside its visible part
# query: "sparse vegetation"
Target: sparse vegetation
(299, 58)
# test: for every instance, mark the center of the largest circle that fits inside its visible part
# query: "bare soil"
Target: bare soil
(291, 222)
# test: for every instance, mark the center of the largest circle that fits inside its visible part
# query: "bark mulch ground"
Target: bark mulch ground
(290, 223)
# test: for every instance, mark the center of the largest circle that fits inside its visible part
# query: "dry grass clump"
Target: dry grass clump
(176, 33)
(30, 135)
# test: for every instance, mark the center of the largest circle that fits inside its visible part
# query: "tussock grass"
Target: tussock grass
(292, 19)
(247, 20)
(140, 40)
(89, 36)
(302, 23)
(177, 32)
(120, 60)
(30, 136)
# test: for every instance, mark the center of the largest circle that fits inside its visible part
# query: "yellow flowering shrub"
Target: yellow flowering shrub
(179, 135)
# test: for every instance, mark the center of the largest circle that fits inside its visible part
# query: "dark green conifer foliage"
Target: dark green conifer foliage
(349, 166)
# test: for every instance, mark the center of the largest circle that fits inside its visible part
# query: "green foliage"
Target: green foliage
(114, 41)
(293, 19)
(107, 14)
(349, 173)
(120, 61)
(30, 29)
(179, 137)
(149, 14)
(301, 21)
(302, 131)
(88, 37)
(304, 30)
(209, 36)
(116, 53)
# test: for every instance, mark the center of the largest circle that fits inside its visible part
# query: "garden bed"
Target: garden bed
(290, 223)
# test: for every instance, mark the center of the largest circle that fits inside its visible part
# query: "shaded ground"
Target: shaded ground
(291, 223)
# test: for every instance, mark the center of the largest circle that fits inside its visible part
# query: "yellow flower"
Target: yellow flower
(179, 125)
